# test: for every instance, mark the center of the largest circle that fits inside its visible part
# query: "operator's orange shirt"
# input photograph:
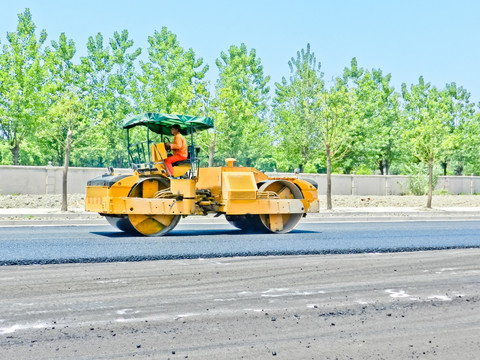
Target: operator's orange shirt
(179, 146)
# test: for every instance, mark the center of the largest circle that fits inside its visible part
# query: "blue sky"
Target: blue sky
(436, 39)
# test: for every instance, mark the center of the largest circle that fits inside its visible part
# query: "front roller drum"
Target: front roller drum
(148, 225)
(273, 223)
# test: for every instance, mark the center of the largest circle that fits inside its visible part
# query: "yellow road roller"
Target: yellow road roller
(150, 201)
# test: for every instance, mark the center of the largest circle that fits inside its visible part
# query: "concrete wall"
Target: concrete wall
(460, 184)
(48, 180)
(387, 185)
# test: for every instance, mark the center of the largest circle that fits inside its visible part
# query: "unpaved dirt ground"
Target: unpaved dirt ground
(422, 305)
(40, 201)
(339, 201)
(441, 201)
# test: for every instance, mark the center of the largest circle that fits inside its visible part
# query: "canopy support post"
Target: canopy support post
(129, 155)
(192, 149)
(149, 162)
(193, 156)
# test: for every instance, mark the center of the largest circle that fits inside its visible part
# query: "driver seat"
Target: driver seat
(159, 154)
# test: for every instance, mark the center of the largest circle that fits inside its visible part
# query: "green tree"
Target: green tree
(68, 126)
(313, 121)
(463, 155)
(241, 95)
(61, 78)
(22, 79)
(294, 126)
(467, 145)
(107, 75)
(428, 126)
(173, 80)
(378, 113)
(334, 116)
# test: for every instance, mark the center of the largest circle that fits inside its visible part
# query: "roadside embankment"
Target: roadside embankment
(45, 210)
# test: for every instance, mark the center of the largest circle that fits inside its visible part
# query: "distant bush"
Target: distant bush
(418, 178)
(363, 170)
(310, 168)
(442, 192)
(5, 154)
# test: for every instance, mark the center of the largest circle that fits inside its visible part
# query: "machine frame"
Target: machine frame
(149, 201)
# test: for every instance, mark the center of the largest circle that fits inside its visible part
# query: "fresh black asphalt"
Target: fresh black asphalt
(78, 244)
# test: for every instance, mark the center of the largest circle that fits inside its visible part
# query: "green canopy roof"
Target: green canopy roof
(162, 123)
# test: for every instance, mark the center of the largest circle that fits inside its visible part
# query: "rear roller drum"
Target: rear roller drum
(281, 223)
(271, 223)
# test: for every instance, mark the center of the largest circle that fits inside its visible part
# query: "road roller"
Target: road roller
(150, 201)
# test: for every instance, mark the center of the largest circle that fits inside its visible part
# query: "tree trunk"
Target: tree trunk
(444, 166)
(383, 166)
(430, 183)
(65, 170)
(386, 167)
(15, 149)
(329, 178)
(211, 152)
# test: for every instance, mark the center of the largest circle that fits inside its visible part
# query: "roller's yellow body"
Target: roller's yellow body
(148, 202)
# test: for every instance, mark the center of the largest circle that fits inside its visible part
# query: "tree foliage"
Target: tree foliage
(241, 95)
(355, 122)
(428, 125)
(335, 118)
(22, 74)
(173, 80)
(107, 76)
(294, 114)
(378, 112)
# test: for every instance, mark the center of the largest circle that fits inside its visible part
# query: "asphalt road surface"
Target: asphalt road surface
(410, 305)
(77, 244)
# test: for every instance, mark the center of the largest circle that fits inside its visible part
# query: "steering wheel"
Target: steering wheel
(165, 140)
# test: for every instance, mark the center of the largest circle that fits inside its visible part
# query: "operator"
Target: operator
(179, 147)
